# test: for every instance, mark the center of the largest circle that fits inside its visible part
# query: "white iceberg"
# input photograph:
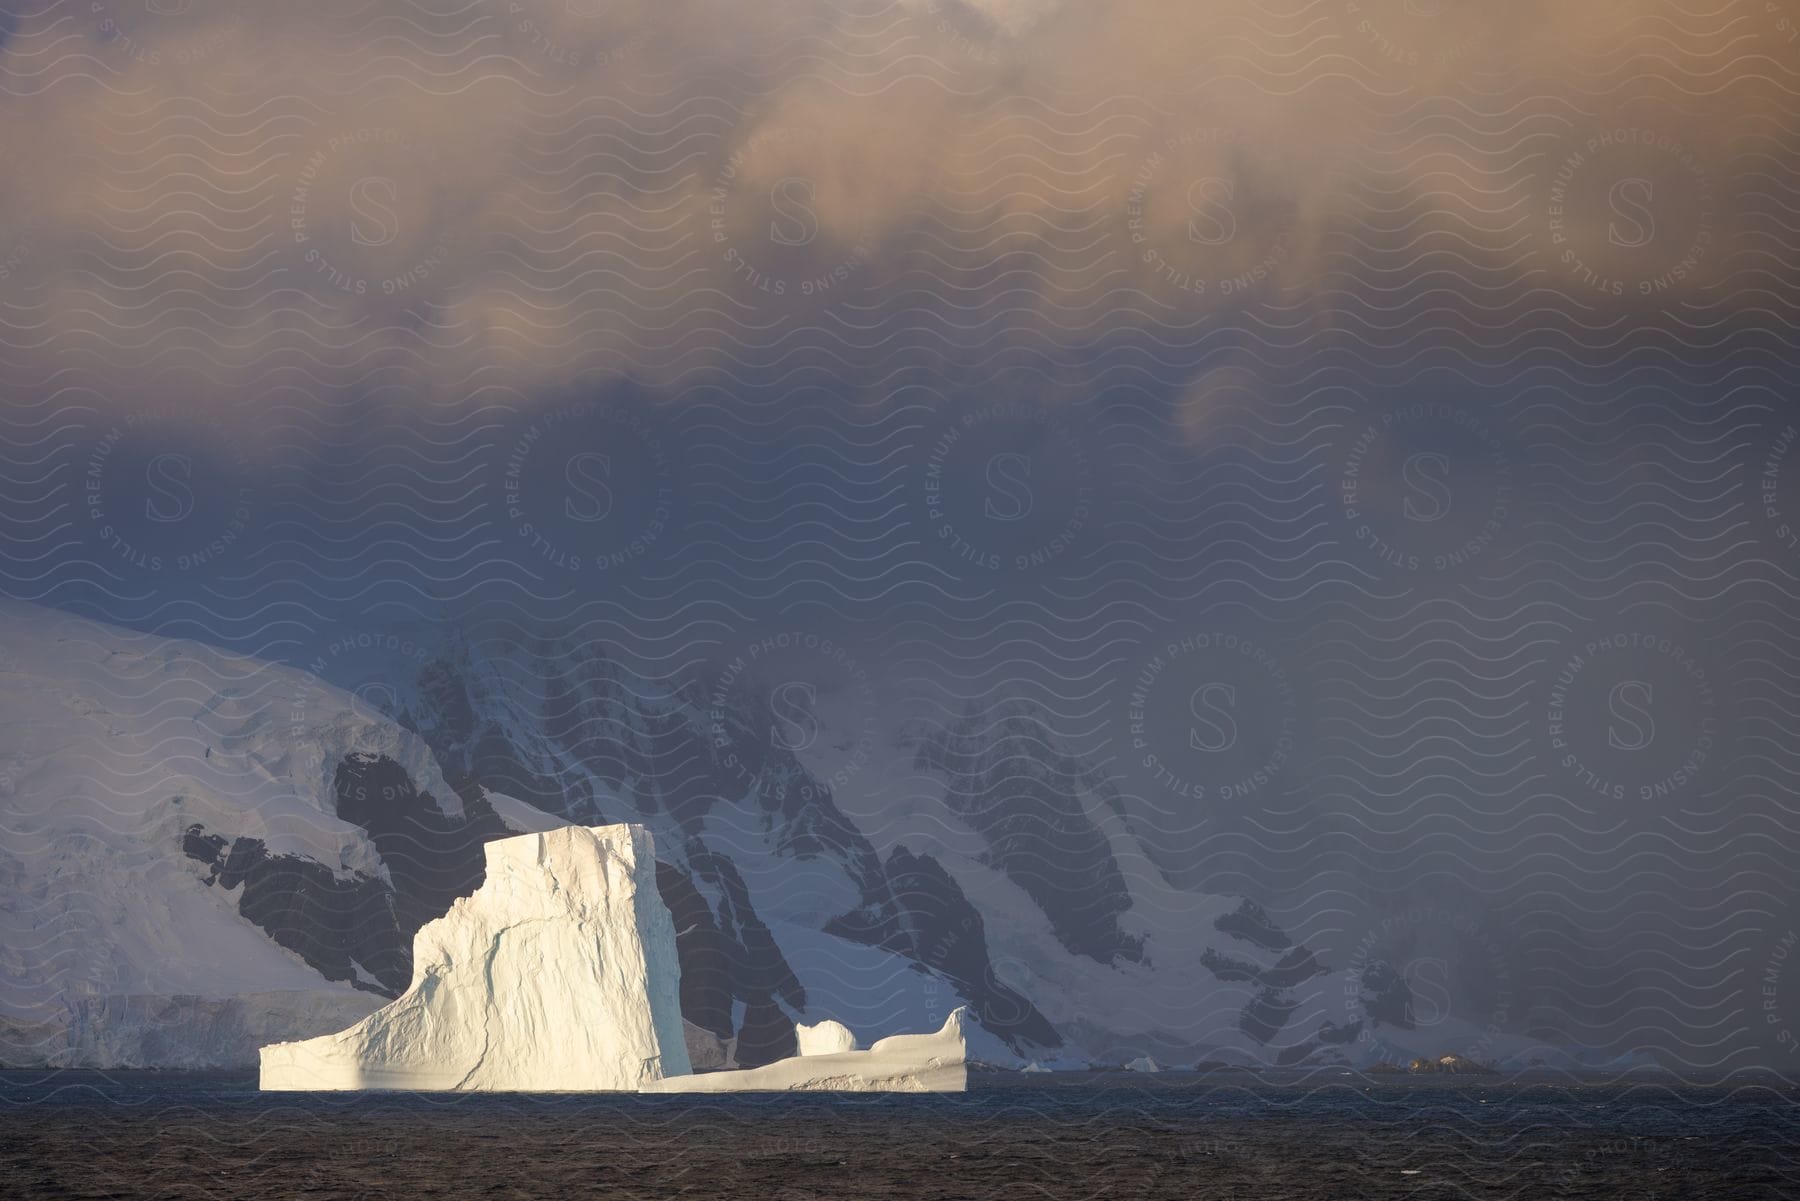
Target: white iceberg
(826, 1038)
(902, 1063)
(1143, 1063)
(557, 974)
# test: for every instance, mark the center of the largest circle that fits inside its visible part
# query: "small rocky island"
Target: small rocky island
(1443, 1065)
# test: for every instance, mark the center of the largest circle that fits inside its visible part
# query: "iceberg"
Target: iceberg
(901, 1063)
(826, 1038)
(557, 974)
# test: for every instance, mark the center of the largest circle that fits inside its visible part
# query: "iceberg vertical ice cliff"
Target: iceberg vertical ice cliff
(557, 974)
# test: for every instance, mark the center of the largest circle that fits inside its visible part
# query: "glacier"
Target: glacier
(114, 746)
(558, 974)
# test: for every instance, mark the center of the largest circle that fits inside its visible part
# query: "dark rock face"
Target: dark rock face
(578, 719)
(1030, 799)
(733, 958)
(431, 857)
(455, 717)
(708, 957)
(1251, 922)
(1015, 787)
(798, 810)
(680, 759)
(1266, 1015)
(1274, 1004)
(1294, 968)
(922, 914)
(766, 1034)
(728, 956)
(331, 923)
(1385, 995)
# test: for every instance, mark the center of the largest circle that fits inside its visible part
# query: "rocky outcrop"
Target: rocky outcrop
(1009, 781)
(1443, 1065)
(921, 913)
(1449, 1065)
(356, 926)
(1385, 995)
(343, 924)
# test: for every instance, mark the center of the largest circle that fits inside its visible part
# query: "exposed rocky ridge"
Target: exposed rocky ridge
(737, 984)
(584, 740)
(1442, 1065)
(924, 915)
(1385, 995)
(266, 831)
(351, 926)
(569, 730)
(1008, 780)
(1041, 810)
(337, 923)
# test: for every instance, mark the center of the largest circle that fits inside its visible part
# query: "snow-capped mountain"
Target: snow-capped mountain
(207, 852)
(128, 934)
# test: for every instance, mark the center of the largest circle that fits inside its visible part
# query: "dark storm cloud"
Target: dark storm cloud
(527, 193)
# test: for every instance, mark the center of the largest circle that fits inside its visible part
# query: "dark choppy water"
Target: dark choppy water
(1183, 1137)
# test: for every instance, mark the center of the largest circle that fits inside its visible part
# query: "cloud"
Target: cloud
(226, 201)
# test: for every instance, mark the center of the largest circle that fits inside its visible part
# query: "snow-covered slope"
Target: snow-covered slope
(557, 974)
(1018, 888)
(116, 947)
(186, 828)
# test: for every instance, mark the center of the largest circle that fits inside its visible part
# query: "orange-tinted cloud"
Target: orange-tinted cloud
(211, 201)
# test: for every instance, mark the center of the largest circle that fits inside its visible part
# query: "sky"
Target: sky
(1362, 427)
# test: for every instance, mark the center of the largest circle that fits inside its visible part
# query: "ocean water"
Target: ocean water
(1088, 1136)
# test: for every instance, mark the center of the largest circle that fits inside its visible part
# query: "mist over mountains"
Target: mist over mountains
(1031, 478)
